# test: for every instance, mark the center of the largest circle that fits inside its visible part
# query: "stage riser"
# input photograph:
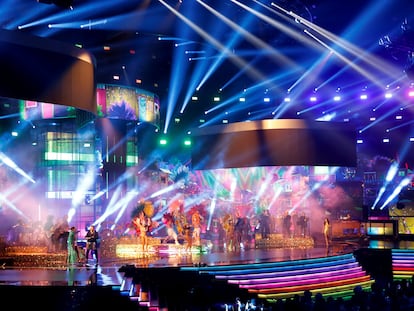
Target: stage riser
(402, 264)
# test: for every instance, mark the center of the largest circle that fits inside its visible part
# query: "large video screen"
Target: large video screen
(127, 103)
(113, 101)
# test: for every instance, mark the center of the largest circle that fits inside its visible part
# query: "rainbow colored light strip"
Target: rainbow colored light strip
(231, 270)
(302, 281)
(402, 263)
(250, 277)
(343, 291)
(334, 276)
(312, 285)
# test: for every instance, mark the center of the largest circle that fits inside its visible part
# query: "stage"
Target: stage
(32, 265)
(170, 271)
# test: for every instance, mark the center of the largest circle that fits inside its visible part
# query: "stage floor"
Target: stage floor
(107, 272)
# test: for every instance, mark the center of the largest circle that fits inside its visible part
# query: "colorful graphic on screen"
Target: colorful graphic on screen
(33, 110)
(121, 103)
(127, 103)
(113, 101)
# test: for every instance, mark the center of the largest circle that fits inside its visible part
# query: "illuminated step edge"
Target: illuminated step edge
(405, 261)
(403, 268)
(402, 256)
(400, 272)
(399, 276)
(345, 294)
(402, 251)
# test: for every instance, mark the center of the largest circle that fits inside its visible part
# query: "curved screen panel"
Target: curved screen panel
(127, 103)
(274, 143)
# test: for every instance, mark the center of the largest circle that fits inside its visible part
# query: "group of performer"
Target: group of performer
(52, 234)
(56, 236)
(233, 230)
(76, 255)
(177, 225)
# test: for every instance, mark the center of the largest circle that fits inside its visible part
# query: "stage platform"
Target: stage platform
(27, 271)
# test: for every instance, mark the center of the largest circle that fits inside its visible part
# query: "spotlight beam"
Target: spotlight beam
(347, 61)
(9, 162)
(374, 62)
(232, 57)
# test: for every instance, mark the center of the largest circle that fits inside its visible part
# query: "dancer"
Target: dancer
(265, 220)
(303, 224)
(92, 239)
(143, 223)
(196, 220)
(72, 242)
(168, 220)
(287, 224)
(228, 227)
(188, 237)
(326, 231)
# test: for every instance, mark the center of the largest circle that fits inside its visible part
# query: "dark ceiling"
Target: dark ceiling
(245, 48)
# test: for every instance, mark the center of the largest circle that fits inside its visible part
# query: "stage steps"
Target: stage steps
(335, 276)
(402, 263)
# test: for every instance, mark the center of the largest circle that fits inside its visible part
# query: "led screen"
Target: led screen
(114, 102)
(127, 103)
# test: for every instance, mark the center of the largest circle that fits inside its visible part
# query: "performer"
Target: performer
(48, 229)
(143, 224)
(168, 220)
(180, 220)
(240, 230)
(92, 243)
(406, 226)
(264, 221)
(196, 220)
(303, 224)
(188, 237)
(228, 227)
(73, 255)
(287, 224)
(60, 234)
(326, 229)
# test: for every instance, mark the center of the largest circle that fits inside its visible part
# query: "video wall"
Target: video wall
(113, 101)
(403, 211)
(127, 103)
